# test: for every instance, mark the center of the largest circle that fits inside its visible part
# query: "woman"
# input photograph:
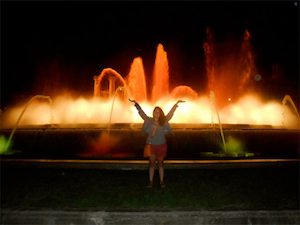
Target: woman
(159, 126)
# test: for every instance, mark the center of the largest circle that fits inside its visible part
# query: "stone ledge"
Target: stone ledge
(172, 217)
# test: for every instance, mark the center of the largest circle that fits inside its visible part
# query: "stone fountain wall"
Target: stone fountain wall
(126, 143)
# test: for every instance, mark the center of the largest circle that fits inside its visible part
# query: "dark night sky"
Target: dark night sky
(48, 46)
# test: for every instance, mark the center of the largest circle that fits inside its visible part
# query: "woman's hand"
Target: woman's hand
(132, 101)
(179, 101)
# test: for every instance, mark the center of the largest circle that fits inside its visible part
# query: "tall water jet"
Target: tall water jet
(160, 74)
(229, 67)
(210, 61)
(248, 68)
(136, 84)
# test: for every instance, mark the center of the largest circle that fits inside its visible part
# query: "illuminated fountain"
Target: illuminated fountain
(136, 83)
(160, 75)
(230, 76)
(109, 111)
(70, 112)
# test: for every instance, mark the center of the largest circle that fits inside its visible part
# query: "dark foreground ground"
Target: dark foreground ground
(271, 188)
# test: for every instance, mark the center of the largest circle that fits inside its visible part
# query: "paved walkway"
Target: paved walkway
(48, 217)
(144, 218)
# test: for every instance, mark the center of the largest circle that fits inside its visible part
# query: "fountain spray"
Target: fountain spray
(213, 99)
(288, 98)
(120, 88)
(28, 103)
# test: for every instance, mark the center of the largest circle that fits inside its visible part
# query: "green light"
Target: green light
(5, 147)
(3, 144)
(236, 148)
(234, 145)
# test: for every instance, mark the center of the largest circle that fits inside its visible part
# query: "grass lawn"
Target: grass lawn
(197, 189)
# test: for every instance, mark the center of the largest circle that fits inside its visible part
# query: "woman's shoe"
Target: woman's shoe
(150, 185)
(162, 184)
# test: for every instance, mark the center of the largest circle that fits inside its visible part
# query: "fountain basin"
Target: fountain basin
(191, 141)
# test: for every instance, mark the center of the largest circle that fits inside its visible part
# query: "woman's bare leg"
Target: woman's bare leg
(152, 162)
(160, 162)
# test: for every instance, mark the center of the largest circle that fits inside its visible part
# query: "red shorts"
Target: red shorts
(159, 150)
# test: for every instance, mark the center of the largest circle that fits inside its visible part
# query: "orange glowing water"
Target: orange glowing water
(246, 109)
(160, 74)
(229, 75)
(107, 73)
(183, 91)
(210, 63)
(66, 111)
(136, 84)
(248, 67)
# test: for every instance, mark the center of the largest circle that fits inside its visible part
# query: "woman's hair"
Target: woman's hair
(162, 117)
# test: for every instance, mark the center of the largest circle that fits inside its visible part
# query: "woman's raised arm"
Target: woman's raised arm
(140, 110)
(171, 113)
